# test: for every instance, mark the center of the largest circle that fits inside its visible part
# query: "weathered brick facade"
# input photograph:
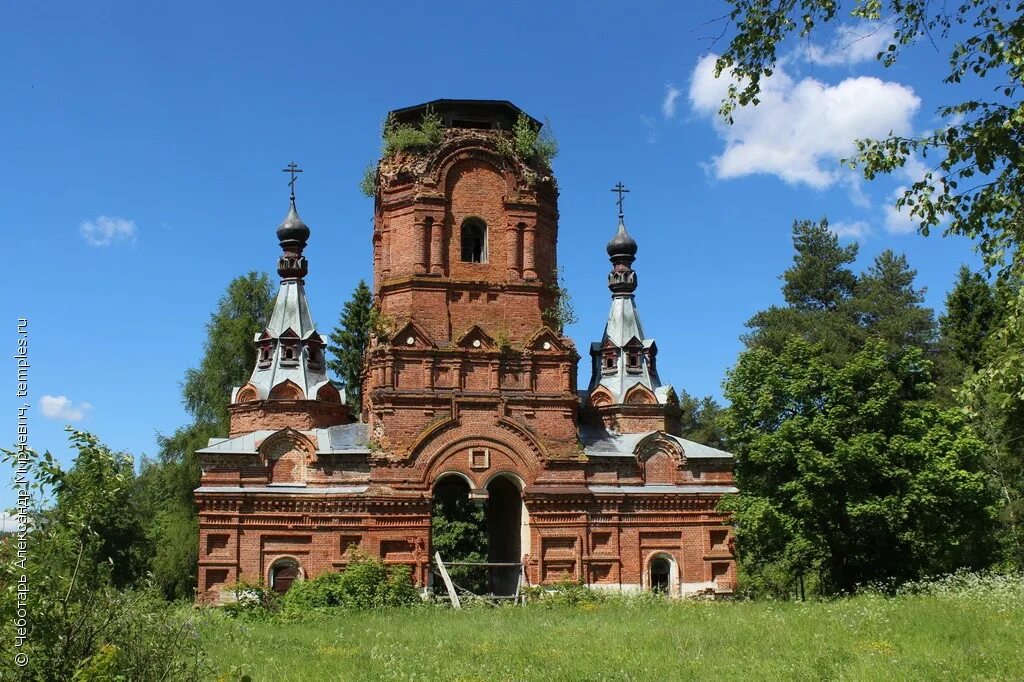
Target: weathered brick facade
(469, 379)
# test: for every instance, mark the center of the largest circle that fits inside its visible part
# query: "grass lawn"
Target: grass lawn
(954, 637)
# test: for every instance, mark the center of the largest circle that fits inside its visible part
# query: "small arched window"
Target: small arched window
(474, 241)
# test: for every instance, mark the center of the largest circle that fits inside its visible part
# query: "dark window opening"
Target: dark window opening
(474, 241)
(632, 359)
(609, 362)
(660, 570)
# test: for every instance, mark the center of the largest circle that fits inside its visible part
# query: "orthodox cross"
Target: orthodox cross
(621, 189)
(293, 169)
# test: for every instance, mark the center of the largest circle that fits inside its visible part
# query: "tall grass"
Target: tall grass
(956, 631)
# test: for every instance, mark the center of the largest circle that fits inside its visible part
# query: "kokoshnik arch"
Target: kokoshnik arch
(472, 390)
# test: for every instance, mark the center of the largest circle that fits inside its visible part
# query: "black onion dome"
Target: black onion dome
(292, 229)
(622, 244)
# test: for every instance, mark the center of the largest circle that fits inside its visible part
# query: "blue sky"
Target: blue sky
(144, 141)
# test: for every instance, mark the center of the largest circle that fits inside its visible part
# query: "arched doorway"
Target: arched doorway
(283, 573)
(661, 577)
(458, 531)
(504, 533)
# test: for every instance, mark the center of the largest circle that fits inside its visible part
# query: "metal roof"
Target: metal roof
(622, 327)
(488, 108)
(661, 489)
(344, 439)
(601, 443)
(284, 490)
(290, 327)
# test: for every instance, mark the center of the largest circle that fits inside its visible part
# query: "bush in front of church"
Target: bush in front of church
(367, 583)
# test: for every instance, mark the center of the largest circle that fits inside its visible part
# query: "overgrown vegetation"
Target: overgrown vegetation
(961, 628)
(529, 142)
(408, 137)
(368, 180)
(84, 621)
(366, 583)
(458, 531)
(562, 313)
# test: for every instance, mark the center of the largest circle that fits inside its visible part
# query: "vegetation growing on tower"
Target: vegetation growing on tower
(528, 143)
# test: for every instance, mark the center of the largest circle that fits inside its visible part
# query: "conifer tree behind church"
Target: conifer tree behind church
(349, 341)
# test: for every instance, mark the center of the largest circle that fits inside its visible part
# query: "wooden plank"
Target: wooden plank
(452, 594)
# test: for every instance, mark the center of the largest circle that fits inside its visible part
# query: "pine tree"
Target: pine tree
(819, 278)
(349, 340)
(845, 450)
(818, 288)
(971, 315)
(890, 307)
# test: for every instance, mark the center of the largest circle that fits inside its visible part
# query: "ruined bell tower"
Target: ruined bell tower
(465, 279)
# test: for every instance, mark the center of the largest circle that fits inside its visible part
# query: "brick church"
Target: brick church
(472, 387)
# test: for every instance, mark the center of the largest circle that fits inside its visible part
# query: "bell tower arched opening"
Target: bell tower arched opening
(458, 530)
(505, 517)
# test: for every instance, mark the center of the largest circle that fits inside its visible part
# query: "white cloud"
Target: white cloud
(857, 229)
(852, 44)
(668, 105)
(899, 221)
(802, 128)
(105, 230)
(60, 407)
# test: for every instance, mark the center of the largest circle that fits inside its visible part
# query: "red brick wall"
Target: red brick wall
(429, 404)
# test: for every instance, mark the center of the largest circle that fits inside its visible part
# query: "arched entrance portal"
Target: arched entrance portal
(662, 574)
(458, 531)
(504, 533)
(469, 526)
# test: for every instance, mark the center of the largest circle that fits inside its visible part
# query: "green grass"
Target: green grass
(954, 637)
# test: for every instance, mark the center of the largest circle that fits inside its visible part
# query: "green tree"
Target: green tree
(229, 353)
(166, 484)
(994, 398)
(971, 316)
(890, 307)
(458, 531)
(349, 341)
(818, 288)
(701, 420)
(82, 545)
(819, 278)
(851, 474)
